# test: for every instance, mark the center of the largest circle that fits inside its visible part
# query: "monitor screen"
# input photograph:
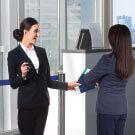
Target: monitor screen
(84, 40)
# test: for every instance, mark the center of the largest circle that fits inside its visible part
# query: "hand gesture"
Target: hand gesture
(24, 68)
(72, 85)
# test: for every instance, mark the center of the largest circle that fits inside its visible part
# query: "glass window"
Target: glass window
(73, 21)
(83, 14)
(124, 14)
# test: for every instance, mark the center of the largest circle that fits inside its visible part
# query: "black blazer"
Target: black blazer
(32, 92)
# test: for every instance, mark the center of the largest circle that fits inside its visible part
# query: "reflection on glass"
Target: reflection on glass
(122, 14)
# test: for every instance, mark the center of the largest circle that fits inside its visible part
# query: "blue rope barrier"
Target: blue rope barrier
(4, 82)
(54, 77)
(7, 82)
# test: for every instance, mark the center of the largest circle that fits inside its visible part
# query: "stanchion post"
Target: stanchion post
(61, 107)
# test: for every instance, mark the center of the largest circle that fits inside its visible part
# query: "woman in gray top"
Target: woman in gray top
(113, 72)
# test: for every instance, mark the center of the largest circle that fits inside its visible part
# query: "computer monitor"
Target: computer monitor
(84, 40)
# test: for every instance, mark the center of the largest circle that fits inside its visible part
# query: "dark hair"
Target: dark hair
(26, 24)
(120, 40)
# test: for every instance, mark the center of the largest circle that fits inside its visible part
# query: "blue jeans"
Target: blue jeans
(111, 124)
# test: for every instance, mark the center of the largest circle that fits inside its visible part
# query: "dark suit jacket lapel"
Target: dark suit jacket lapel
(39, 58)
(26, 58)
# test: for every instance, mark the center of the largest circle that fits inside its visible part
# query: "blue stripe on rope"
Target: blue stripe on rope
(54, 77)
(6, 82)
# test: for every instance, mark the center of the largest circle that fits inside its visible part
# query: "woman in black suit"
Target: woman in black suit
(29, 71)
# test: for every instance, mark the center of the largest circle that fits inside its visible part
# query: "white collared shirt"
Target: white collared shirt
(30, 52)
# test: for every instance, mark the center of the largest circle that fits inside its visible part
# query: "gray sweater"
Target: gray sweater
(111, 97)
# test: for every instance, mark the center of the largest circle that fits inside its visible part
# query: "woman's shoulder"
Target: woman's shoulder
(108, 59)
(39, 48)
(109, 56)
(13, 51)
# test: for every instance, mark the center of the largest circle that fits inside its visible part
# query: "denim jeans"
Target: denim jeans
(111, 124)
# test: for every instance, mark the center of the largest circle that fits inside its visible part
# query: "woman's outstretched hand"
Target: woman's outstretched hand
(72, 85)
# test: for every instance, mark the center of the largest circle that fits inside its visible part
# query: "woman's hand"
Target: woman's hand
(72, 85)
(24, 68)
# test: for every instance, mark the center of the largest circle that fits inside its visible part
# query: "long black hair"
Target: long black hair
(120, 40)
(26, 24)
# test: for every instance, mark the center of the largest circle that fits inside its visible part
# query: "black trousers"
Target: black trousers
(32, 121)
(111, 124)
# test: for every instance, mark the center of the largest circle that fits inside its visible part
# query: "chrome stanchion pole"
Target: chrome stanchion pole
(61, 107)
